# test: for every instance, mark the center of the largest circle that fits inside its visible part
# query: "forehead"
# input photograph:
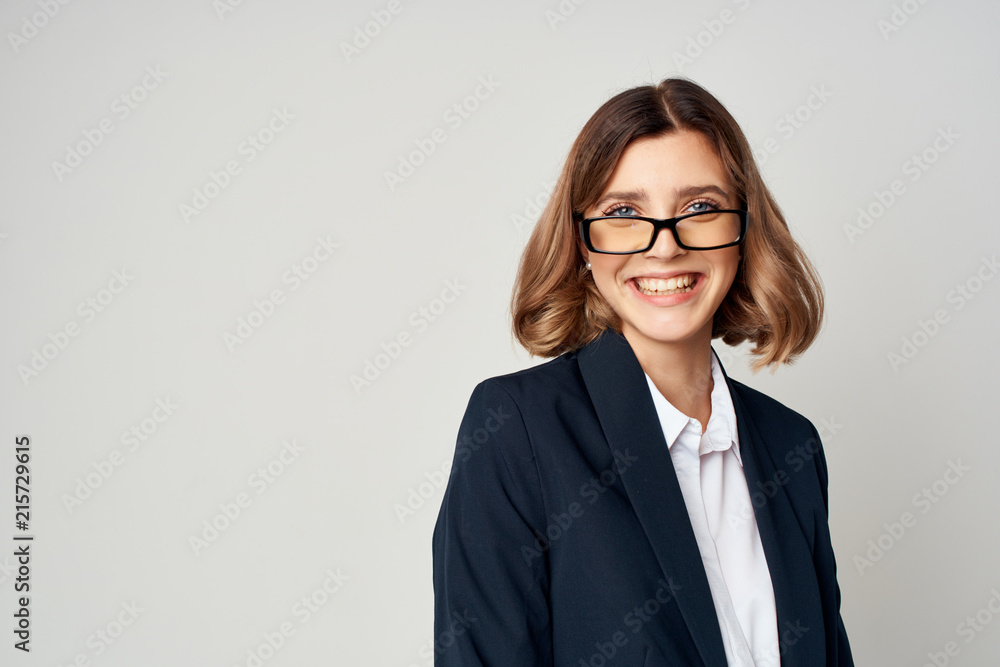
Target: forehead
(668, 162)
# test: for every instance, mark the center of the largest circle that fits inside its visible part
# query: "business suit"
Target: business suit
(563, 538)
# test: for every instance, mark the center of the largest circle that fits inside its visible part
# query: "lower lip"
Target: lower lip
(667, 299)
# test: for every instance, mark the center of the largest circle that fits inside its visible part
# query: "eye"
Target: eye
(620, 209)
(702, 205)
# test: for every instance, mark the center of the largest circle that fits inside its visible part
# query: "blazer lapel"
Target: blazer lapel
(620, 394)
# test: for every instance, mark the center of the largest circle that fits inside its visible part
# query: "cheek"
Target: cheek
(605, 269)
(726, 265)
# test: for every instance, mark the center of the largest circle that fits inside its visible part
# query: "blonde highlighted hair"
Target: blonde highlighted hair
(776, 300)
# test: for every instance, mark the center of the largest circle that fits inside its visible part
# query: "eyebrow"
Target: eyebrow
(640, 195)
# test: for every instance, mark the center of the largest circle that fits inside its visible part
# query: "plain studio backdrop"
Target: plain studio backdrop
(256, 255)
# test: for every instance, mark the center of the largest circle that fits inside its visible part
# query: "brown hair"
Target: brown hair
(776, 300)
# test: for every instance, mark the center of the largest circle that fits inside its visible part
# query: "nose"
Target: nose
(665, 245)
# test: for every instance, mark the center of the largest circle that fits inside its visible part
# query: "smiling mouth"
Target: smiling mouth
(660, 287)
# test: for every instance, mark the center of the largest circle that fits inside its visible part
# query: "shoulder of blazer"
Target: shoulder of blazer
(538, 401)
(768, 413)
(552, 380)
(504, 410)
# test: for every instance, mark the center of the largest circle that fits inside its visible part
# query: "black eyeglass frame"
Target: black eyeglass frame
(658, 226)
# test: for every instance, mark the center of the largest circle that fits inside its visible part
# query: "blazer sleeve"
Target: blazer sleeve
(843, 657)
(491, 579)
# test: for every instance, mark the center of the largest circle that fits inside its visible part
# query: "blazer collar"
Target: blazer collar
(621, 397)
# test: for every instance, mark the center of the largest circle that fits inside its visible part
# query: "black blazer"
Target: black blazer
(563, 538)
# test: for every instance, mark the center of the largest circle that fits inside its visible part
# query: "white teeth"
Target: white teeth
(657, 286)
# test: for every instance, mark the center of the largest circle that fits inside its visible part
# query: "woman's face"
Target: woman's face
(666, 294)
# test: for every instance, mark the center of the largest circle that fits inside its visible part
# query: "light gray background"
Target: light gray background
(891, 431)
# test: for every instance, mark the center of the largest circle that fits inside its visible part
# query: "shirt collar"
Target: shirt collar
(721, 432)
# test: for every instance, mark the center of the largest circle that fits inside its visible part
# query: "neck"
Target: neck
(681, 371)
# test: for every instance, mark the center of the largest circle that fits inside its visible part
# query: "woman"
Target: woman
(627, 503)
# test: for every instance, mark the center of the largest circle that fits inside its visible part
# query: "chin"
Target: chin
(664, 332)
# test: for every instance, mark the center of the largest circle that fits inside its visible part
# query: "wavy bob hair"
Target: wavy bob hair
(776, 300)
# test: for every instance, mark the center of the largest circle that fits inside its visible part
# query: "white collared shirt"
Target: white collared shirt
(710, 471)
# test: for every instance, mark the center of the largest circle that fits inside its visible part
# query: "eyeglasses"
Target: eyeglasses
(629, 234)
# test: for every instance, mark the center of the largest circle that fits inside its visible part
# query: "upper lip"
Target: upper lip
(664, 275)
